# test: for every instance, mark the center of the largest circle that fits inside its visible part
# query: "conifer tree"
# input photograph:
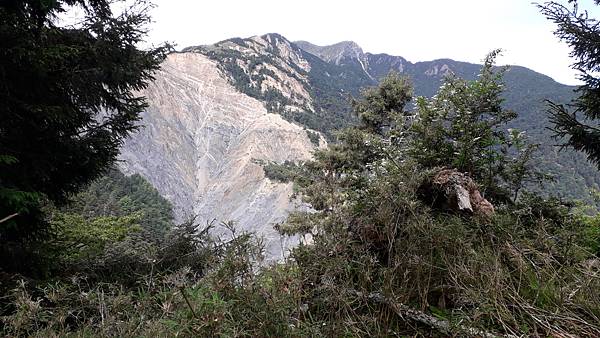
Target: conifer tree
(577, 123)
(68, 98)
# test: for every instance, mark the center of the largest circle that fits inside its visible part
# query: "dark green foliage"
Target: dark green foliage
(187, 246)
(525, 92)
(380, 106)
(110, 208)
(464, 127)
(280, 172)
(67, 97)
(23, 204)
(313, 137)
(118, 195)
(592, 233)
(582, 34)
(80, 239)
(523, 168)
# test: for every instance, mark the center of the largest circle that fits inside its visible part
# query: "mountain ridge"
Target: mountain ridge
(349, 46)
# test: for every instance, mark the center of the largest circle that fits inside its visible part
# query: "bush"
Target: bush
(140, 288)
(385, 262)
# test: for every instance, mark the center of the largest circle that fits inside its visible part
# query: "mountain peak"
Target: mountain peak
(335, 53)
(274, 37)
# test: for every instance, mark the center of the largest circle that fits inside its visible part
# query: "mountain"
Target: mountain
(216, 112)
(336, 53)
(269, 67)
(200, 143)
(526, 93)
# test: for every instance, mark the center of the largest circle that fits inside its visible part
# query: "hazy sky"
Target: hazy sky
(419, 30)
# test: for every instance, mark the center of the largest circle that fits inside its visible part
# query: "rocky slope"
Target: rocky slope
(199, 145)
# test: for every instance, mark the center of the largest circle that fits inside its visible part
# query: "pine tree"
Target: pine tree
(68, 98)
(577, 122)
(464, 126)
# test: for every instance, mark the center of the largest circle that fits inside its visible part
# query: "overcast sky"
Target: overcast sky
(419, 30)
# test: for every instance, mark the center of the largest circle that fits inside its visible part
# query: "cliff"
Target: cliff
(199, 142)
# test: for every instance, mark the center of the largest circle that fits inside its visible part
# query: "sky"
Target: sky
(418, 30)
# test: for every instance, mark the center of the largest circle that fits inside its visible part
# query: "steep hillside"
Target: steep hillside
(115, 194)
(199, 145)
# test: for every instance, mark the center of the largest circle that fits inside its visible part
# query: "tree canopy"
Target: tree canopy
(69, 98)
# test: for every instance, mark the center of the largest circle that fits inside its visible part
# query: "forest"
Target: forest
(428, 215)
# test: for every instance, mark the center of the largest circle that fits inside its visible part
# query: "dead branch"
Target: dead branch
(443, 326)
(9, 217)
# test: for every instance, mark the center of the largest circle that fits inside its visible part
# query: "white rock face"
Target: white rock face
(338, 53)
(198, 143)
(435, 70)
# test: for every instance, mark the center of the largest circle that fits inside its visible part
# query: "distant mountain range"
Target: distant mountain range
(218, 111)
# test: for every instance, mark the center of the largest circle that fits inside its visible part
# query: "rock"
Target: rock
(463, 198)
(451, 189)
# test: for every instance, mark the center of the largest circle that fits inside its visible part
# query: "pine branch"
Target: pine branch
(579, 136)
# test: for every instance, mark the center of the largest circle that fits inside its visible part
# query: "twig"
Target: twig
(188, 302)
(9, 217)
